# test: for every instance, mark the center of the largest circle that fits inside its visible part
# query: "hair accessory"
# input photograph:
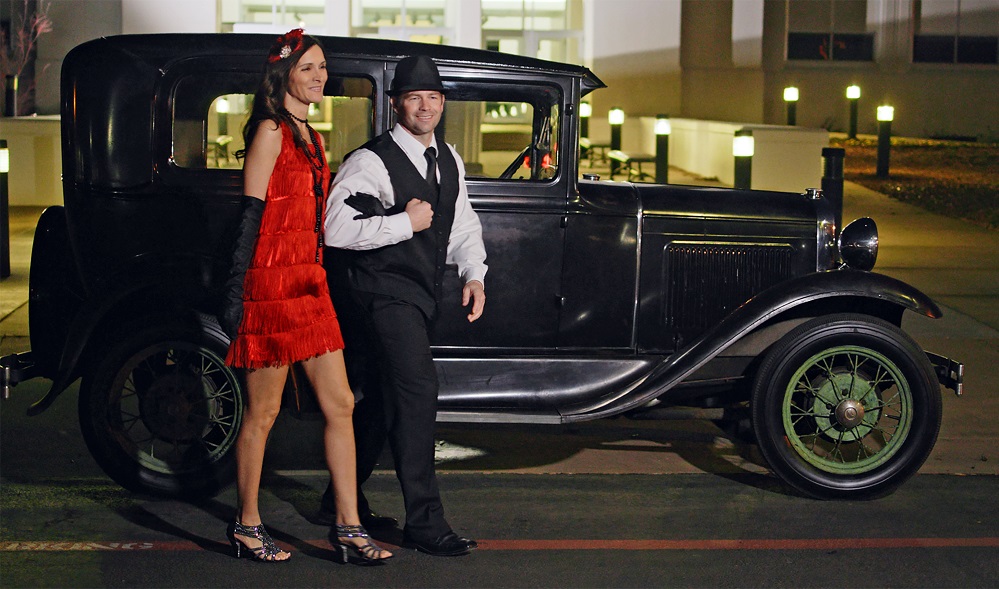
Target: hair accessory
(285, 45)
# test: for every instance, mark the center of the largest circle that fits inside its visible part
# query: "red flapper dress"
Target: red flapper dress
(287, 312)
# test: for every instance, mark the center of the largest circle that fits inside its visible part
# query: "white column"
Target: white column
(338, 18)
(464, 18)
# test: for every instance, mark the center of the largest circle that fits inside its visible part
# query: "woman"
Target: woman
(277, 307)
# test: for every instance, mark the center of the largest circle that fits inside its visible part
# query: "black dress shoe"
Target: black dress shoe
(449, 544)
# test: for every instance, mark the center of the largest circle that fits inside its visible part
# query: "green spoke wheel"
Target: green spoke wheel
(161, 411)
(846, 407)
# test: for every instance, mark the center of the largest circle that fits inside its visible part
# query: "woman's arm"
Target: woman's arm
(261, 156)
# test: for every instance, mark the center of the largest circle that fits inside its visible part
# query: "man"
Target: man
(400, 206)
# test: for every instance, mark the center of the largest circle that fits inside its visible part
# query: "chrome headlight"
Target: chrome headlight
(858, 244)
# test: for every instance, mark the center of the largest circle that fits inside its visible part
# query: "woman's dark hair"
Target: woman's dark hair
(268, 102)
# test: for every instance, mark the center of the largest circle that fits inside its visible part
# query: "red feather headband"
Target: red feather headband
(285, 45)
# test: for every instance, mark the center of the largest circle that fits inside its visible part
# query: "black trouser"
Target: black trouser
(401, 407)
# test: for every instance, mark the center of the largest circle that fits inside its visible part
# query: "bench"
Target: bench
(633, 163)
(594, 152)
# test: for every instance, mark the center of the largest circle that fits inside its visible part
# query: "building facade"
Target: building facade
(935, 61)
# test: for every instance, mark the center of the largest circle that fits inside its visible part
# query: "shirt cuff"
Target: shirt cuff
(400, 225)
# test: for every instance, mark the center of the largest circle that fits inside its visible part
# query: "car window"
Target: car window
(503, 131)
(210, 113)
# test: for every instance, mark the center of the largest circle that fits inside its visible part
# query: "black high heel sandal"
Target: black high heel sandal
(266, 552)
(367, 553)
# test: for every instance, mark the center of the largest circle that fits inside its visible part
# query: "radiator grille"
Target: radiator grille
(706, 281)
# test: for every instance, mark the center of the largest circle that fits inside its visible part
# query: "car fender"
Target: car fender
(768, 305)
(140, 286)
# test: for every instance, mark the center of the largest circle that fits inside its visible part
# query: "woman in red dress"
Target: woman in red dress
(277, 307)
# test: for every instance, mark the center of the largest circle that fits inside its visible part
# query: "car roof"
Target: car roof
(163, 49)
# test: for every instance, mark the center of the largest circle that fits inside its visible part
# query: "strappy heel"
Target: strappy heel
(266, 552)
(367, 553)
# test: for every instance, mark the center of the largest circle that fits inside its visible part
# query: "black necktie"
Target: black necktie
(431, 155)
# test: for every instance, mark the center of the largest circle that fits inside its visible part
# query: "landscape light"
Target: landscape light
(886, 113)
(853, 94)
(791, 100)
(615, 116)
(742, 150)
(663, 129)
(885, 116)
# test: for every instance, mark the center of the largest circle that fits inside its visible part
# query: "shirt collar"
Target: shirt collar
(411, 145)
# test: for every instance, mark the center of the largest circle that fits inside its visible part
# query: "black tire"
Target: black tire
(846, 407)
(161, 411)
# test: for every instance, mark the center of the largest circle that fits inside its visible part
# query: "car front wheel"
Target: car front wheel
(161, 411)
(846, 407)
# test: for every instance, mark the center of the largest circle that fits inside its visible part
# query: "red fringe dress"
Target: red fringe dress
(287, 312)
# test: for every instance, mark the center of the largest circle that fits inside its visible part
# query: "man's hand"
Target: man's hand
(476, 293)
(420, 214)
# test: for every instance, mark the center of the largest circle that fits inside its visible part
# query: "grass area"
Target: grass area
(954, 178)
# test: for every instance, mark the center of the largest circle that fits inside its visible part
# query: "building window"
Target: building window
(422, 21)
(955, 31)
(547, 29)
(828, 30)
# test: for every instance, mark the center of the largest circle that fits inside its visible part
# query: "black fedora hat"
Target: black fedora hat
(417, 72)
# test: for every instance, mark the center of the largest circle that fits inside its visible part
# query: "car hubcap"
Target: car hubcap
(175, 407)
(847, 410)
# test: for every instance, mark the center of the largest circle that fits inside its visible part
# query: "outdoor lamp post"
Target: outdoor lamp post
(4, 210)
(853, 95)
(222, 108)
(616, 119)
(663, 129)
(742, 151)
(585, 110)
(885, 116)
(791, 99)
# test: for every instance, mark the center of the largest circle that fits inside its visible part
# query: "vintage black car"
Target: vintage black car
(605, 298)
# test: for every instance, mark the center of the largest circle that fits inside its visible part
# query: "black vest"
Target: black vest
(411, 270)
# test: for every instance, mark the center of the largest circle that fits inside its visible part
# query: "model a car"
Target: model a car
(605, 298)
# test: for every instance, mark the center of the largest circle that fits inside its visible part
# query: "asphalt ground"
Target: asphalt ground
(615, 503)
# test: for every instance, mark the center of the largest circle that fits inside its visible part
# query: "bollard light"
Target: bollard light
(743, 146)
(885, 116)
(791, 100)
(663, 128)
(222, 108)
(4, 210)
(616, 118)
(853, 95)
(585, 110)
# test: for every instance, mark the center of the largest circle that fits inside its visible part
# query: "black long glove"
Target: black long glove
(367, 205)
(232, 299)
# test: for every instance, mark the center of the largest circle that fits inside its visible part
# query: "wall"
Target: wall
(173, 16)
(634, 47)
(73, 23)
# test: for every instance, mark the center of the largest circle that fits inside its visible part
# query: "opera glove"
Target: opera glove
(231, 314)
(367, 205)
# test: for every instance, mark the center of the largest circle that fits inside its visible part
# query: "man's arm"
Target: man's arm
(466, 249)
(363, 175)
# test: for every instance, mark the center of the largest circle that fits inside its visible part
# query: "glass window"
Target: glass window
(829, 30)
(952, 31)
(210, 112)
(504, 132)
(422, 21)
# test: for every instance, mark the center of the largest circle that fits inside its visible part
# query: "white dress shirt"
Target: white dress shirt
(365, 172)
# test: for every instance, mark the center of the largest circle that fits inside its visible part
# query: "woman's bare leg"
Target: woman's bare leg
(263, 389)
(329, 380)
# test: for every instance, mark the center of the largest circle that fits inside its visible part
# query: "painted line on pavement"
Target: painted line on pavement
(561, 544)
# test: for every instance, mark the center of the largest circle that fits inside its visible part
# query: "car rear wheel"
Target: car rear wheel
(161, 411)
(846, 407)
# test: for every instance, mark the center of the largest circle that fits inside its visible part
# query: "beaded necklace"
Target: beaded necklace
(317, 159)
